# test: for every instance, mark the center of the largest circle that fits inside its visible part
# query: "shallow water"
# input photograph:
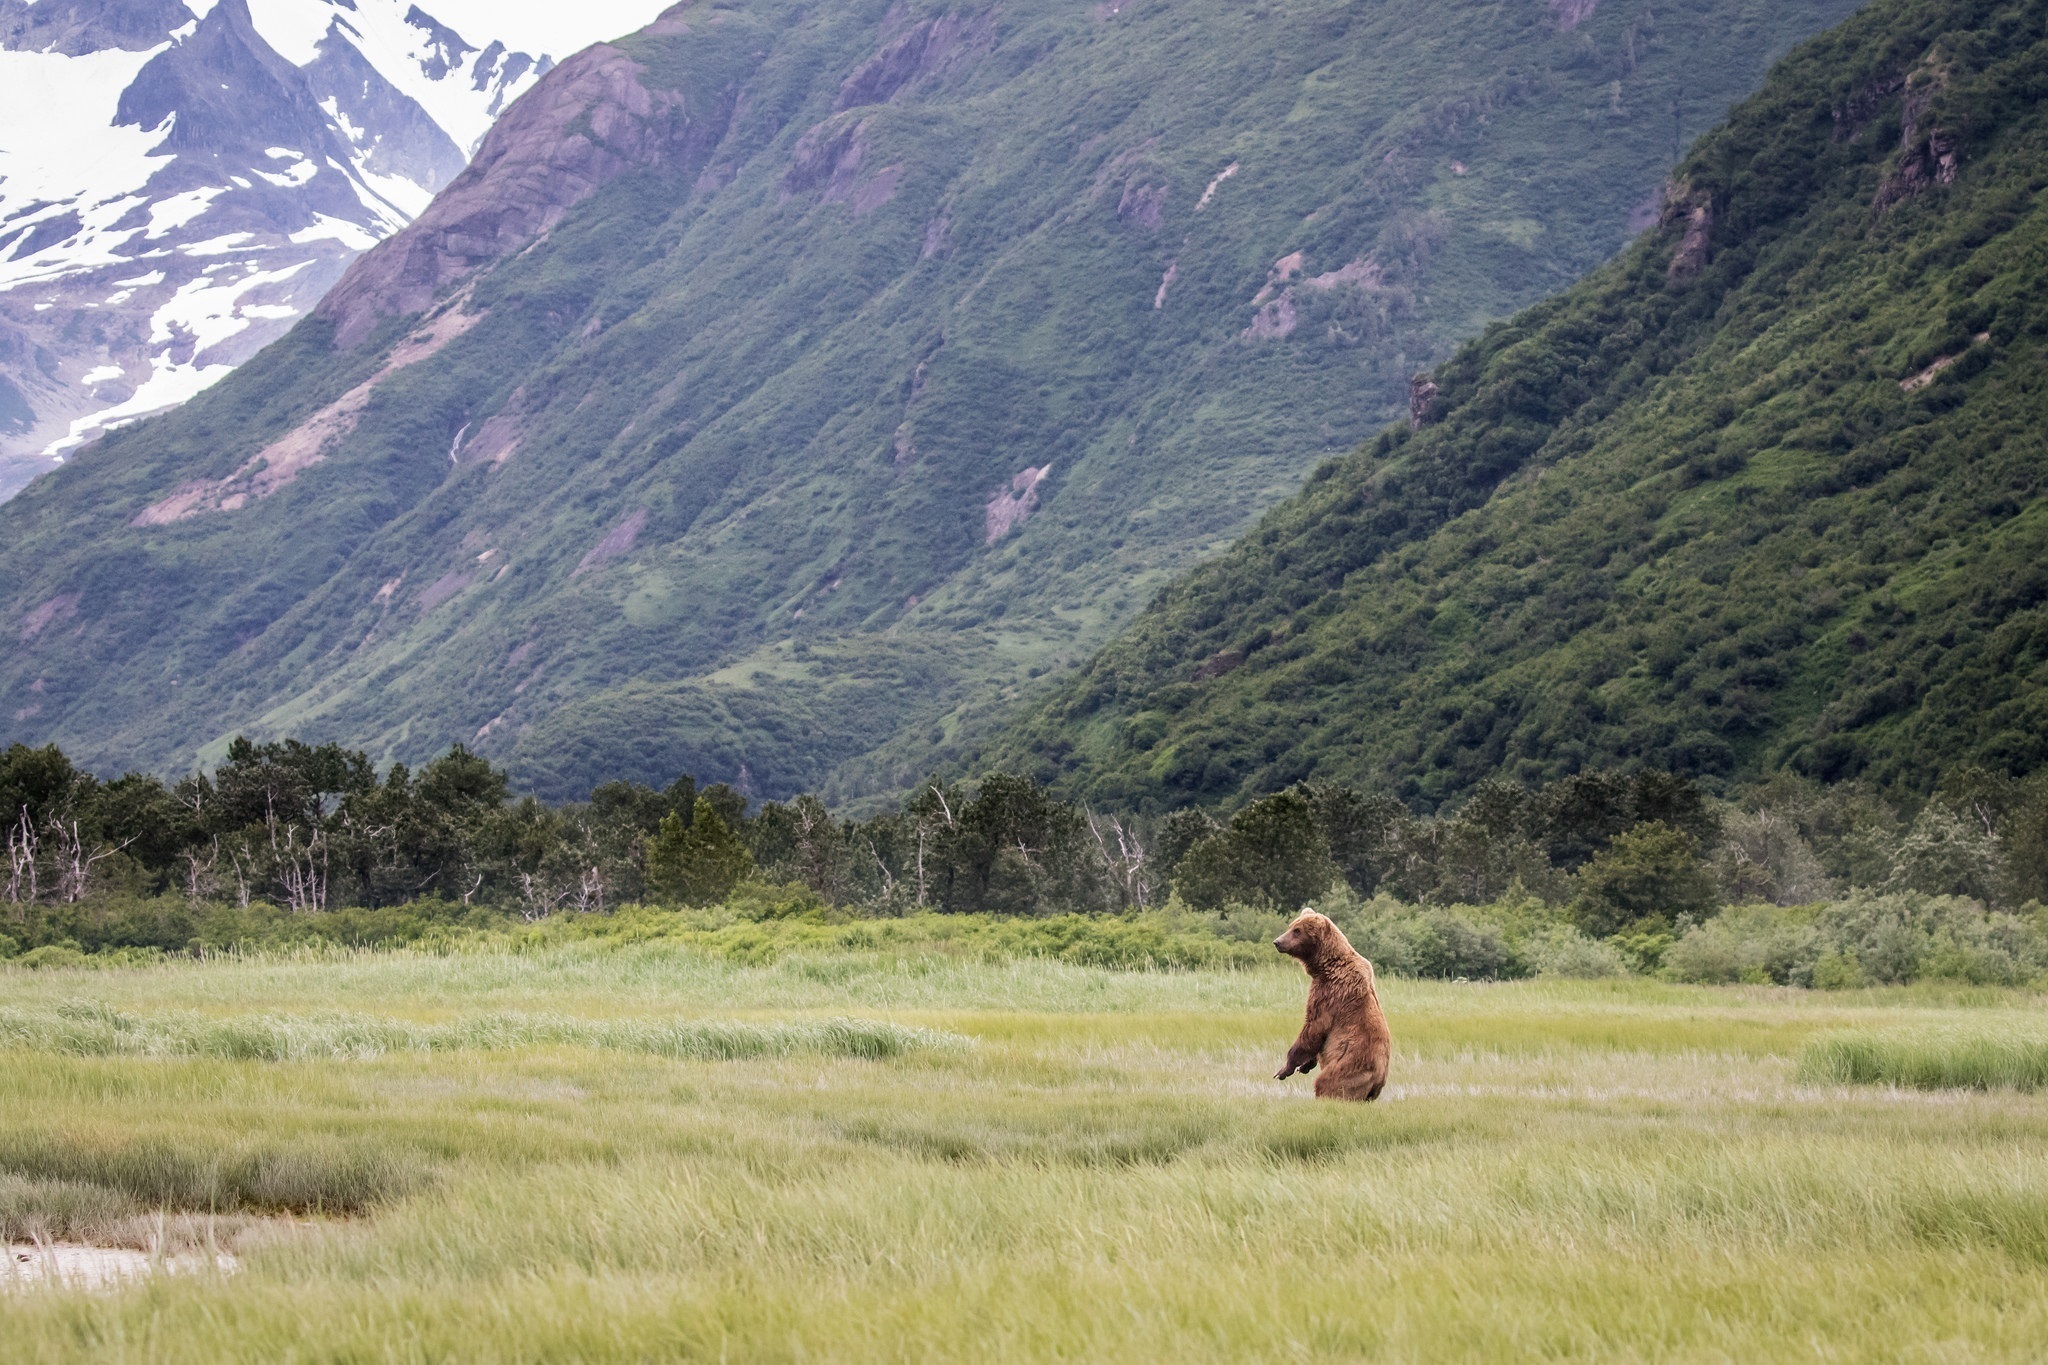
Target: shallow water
(65, 1265)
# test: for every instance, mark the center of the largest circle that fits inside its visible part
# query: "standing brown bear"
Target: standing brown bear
(1346, 1031)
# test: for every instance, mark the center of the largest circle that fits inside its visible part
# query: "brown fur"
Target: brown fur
(1345, 1032)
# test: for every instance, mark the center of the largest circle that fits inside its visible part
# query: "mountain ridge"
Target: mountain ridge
(793, 461)
(1763, 494)
(179, 185)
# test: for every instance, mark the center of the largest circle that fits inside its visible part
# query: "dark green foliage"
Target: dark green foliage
(1274, 855)
(698, 863)
(1652, 872)
(1763, 495)
(786, 403)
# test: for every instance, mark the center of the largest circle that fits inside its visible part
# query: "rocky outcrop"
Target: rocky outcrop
(590, 121)
(1692, 210)
(924, 50)
(1928, 155)
(1012, 505)
(1144, 205)
(76, 27)
(1855, 114)
(828, 156)
(281, 462)
(618, 541)
(1421, 401)
(1571, 13)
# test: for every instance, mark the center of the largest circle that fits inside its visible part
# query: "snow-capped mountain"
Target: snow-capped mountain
(181, 179)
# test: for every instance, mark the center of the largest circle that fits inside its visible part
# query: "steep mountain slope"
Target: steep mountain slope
(782, 387)
(1766, 493)
(179, 184)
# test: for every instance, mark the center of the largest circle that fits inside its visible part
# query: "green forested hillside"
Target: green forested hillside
(1765, 493)
(899, 355)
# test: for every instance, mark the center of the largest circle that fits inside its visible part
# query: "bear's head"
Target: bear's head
(1312, 938)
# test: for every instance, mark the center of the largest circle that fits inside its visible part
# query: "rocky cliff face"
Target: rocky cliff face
(179, 185)
(589, 123)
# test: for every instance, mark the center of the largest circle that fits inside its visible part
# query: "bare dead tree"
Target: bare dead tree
(23, 848)
(1125, 865)
(75, 866)
(538, 897)
(302, 864)
(590, 892)
(888, 881)
(201, 881)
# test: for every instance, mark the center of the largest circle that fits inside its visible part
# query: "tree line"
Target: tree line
(310, 828)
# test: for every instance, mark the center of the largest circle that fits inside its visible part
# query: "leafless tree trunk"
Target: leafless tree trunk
(302, 867)
(1126, 865)
(75, 866)
(537, 899)
(22, 849)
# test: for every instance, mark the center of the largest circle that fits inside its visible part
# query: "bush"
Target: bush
(699, 863)
(1439, 943)
(1274, 854)
(1565, 952)
(1866, 938)
(51, 957)
(1763, 944)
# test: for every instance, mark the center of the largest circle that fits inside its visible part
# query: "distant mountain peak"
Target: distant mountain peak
(179, 183)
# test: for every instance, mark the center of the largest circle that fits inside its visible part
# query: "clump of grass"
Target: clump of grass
(1929, 1061)
(89, 1029)
(80, 1181)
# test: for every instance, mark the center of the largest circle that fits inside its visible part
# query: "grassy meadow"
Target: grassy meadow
(586, 1151)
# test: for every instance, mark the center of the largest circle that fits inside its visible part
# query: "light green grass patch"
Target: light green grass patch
(88, 1029)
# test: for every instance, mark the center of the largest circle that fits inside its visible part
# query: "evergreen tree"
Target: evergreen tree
(699, 863)
(1652, 872)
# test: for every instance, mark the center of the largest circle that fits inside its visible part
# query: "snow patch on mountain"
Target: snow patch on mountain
(180, 182)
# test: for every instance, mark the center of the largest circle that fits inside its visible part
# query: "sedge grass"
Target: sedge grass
(1946, 1059)
(1603, 1170)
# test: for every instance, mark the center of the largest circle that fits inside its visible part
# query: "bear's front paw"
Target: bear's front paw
(1283, 1073)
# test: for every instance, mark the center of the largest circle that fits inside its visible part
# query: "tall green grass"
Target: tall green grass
(1617, 1170)
(1945, 1060)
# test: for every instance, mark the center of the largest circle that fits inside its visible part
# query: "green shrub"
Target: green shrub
(52, 956)
(1836, 971)
(1565, 952)
(1865, 938)
(699, 863)
(1440, 943)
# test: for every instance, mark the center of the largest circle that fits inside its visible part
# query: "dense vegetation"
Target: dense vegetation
(763, 401)
(289, 844)
(1764, 495)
